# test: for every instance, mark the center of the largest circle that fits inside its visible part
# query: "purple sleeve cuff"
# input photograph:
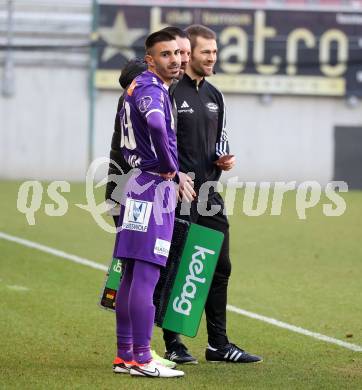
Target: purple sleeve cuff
(157, 126)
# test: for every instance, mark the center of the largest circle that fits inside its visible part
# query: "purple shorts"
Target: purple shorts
(146, 219)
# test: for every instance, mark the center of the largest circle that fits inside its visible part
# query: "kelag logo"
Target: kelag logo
(193, 280)
(183, 305)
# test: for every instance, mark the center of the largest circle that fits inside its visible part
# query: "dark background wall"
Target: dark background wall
(348, 155)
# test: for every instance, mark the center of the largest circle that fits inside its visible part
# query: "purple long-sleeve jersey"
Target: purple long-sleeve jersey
(148, 139)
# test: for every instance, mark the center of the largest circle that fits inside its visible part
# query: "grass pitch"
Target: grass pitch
(303, 272)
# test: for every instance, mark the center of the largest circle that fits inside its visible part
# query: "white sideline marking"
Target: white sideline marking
(296, 329)
(102, 267)
(52, 251)
(17, 288)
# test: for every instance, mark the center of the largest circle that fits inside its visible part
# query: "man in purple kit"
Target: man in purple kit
(148, 142)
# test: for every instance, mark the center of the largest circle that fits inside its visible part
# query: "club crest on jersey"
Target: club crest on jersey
(213, 107)
(137, 210)
(144, 103)
(136, 215)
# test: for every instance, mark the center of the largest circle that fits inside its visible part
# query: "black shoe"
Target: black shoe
(230, 353)
(177, 352)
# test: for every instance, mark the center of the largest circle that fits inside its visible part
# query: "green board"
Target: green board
(114, 274)
(109, 292)
(193, 280)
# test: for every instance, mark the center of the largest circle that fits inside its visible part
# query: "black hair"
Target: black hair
(176, 32)
(156, 37)
(130, 70)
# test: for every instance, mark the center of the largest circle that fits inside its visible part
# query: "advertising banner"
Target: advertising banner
(259, 51)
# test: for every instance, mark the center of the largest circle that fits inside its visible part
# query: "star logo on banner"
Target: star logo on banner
(120, 38)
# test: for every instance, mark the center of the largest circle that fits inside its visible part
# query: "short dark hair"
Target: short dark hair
(176, 32)
(198, 30)
(130, 70)
(156, 37)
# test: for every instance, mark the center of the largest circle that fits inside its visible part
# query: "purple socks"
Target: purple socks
(135, 311)
(125, 351)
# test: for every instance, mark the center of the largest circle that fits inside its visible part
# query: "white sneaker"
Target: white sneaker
(120, 366)
(154, 369)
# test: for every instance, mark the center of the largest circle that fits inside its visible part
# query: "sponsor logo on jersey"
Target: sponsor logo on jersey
(162, 247)
(213, 107)
(185, 108)
(144, 103)
(189, 110)
(136, 215)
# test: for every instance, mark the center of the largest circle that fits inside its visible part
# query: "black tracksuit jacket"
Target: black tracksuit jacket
(201, 135)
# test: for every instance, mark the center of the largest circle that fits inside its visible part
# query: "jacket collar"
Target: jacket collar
(193, 82)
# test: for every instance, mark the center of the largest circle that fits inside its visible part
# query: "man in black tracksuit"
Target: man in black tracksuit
(203, 149)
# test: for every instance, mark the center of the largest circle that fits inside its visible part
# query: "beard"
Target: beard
(168, 72)
(199, 71)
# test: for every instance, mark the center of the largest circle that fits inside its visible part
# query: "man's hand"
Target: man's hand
(168, 175)
(186, 188)
(226, 162)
